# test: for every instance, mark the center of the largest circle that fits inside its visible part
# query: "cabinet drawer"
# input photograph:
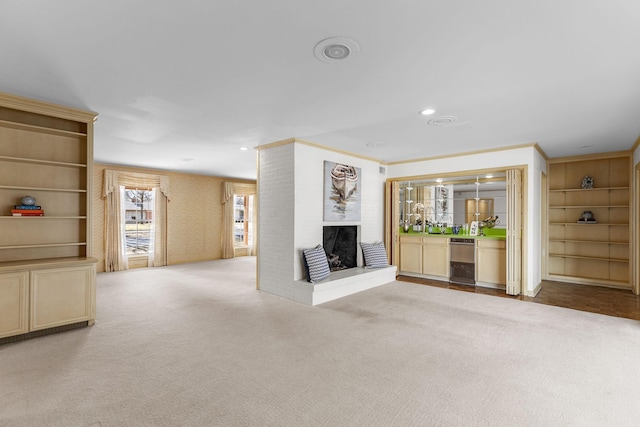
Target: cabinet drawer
(500, 244)
(411, 239)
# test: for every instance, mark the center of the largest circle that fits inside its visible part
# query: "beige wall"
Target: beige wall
(194, 215)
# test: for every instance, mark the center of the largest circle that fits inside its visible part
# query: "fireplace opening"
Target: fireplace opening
(340, 242)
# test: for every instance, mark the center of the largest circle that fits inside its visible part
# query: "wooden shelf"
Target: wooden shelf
(618, 284)
(39, 129)
(42, 217)
(586, 189)
(47, 262)
(60, 190)
(589, 257)
(582, 252)
(588, 206)
(589, 241)
(41, 162)
(582, 224)
(44, 245)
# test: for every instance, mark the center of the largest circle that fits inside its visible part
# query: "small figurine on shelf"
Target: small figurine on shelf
(587, 182)
(587, 218)
(28, 201)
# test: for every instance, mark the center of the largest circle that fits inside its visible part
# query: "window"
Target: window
(138, 220)
(242, 214)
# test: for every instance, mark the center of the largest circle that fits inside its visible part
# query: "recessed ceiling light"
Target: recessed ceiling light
(442, 121)
(244, 148)
(374, 144)
(335, 49)
(427, 112)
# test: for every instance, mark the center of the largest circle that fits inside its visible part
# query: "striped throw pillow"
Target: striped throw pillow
(374, 255)
(316, 264)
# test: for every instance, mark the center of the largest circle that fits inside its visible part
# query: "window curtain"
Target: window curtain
(114, 256)
(228, 191)
(124, 257)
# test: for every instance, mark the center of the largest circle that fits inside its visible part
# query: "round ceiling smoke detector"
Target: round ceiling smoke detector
(335, 49)
(442, 121)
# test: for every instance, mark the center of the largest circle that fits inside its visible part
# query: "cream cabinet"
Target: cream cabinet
(14, 303)
(491, 262)
(595, 251)
(46, 151)
(46, 294)
(435, 256)
(411, 254)
(60, 296)
(425, 255)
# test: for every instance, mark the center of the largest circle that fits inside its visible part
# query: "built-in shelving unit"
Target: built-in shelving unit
(46, 268)
(596, 252)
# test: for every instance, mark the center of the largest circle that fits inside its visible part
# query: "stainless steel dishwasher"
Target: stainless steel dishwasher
(462, 259)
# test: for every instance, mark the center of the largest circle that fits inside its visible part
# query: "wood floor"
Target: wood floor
(596, 299)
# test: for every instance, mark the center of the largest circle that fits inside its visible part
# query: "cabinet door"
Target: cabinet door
(411, 256)
(491, 262)
(435, 257)
(14, 303)
(62, 296)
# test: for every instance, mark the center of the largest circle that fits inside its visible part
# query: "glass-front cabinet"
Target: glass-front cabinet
(434, 216)
(452, 205)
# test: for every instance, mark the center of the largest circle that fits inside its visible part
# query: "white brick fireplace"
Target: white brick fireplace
(290, 219)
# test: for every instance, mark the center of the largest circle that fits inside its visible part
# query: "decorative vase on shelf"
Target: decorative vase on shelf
(28, 201)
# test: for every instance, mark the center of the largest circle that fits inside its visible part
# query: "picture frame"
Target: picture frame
(342, 192)
(473, 229)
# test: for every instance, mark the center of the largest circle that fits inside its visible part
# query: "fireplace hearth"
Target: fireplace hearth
(340, 242)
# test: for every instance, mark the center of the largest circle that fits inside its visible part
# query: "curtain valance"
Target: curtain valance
(241, 189)
(113, 179)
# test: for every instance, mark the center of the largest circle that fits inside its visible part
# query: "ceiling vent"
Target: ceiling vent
(442, 121)
(335, 49)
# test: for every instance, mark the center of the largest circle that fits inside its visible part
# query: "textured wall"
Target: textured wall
(276, 220)
(194, 215)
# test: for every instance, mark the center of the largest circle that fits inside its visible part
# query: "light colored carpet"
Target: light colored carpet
(197, 345)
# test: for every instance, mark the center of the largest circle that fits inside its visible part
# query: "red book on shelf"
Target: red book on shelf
(27, 211)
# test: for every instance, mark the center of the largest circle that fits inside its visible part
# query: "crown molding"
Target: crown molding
(46, 108)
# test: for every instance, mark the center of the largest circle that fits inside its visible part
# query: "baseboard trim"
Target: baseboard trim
(42, 332)
(534, 292)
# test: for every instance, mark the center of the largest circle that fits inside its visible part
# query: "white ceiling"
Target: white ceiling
(196, 79)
